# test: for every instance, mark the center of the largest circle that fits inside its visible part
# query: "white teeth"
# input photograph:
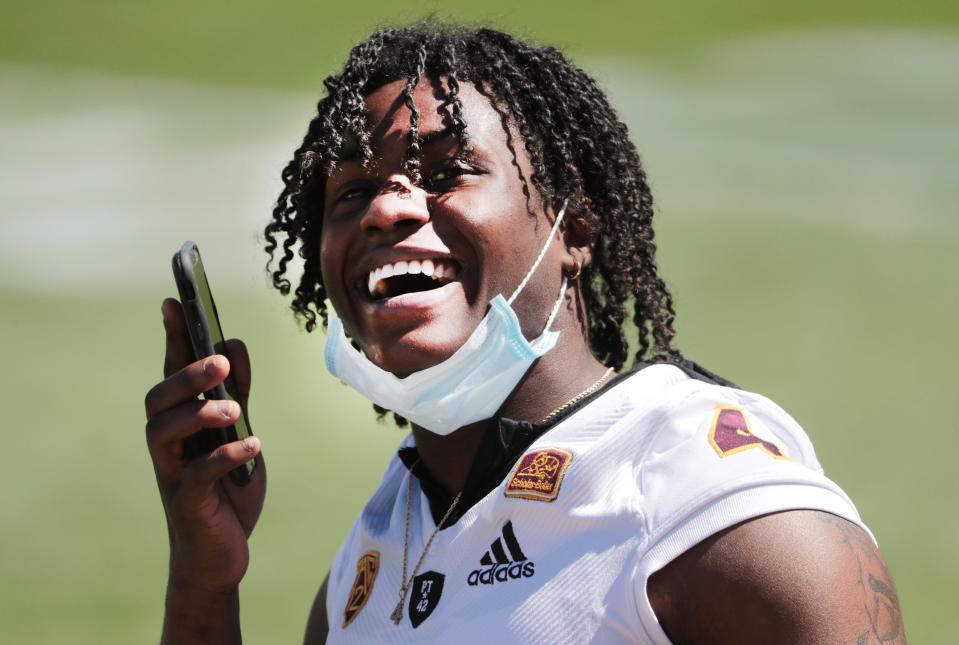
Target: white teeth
(442, 271)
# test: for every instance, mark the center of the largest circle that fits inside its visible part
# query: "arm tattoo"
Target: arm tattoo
(880, 603)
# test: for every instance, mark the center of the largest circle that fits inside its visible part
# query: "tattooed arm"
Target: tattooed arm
(793, 577)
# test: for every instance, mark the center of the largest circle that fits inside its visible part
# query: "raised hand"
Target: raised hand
(209, 517)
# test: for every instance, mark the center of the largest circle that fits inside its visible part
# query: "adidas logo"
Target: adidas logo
(500, 567)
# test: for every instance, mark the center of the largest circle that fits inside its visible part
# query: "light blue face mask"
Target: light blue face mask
(468, 386)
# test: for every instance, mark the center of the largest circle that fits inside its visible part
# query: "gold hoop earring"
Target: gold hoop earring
(576, 271)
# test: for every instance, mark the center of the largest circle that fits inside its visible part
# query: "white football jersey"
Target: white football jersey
(562, 549)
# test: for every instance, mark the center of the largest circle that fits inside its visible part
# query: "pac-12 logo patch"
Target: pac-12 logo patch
(425, 595)
(539, 474)
(366, 569)
(730, 434)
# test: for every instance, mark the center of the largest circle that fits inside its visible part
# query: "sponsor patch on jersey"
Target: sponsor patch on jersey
(539, 474)
(425, 595)
(366, 569)
(503, 562)
(730, 434)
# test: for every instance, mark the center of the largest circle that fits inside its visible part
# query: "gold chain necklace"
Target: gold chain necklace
(397, 614)
(579, 397)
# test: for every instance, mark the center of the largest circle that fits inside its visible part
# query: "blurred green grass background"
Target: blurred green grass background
(804, 159)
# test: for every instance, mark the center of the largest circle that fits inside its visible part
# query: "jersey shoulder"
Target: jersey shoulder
(714, 419)
(673, 406)
(718, 455)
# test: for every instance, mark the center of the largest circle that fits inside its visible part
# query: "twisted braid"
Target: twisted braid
(578, 148)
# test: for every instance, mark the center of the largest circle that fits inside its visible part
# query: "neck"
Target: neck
(563, 373)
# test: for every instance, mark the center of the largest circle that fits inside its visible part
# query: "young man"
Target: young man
(477, 217)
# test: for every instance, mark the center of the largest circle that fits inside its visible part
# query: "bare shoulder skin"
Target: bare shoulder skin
(794, 577)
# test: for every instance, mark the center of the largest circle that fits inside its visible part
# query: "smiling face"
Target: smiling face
(410, 268)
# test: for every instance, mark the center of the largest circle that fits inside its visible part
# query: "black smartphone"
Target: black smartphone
(206, 336)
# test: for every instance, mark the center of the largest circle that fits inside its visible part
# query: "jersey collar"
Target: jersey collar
(500, 448)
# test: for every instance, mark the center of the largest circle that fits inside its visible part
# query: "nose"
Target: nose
(398, 204)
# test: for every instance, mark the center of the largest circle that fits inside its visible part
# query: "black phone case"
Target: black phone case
(200, 337)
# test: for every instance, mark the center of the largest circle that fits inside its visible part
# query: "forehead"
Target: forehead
(389, 116)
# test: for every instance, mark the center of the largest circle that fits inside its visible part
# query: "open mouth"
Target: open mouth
(398, 278)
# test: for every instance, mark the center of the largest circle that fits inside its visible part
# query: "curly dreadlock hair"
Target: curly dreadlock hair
(578, 147)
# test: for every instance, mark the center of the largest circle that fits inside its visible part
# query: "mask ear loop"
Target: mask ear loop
(539, 258)
(559, 301)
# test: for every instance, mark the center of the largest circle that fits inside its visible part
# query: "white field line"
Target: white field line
(102, 177)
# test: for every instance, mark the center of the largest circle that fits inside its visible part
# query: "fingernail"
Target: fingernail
(249, 444)
(209, 366)
(225, 408)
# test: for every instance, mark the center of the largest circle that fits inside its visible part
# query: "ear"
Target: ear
(577, 233)
(577, 258)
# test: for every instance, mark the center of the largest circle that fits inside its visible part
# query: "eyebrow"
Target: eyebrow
(435, 135)
(351, 149)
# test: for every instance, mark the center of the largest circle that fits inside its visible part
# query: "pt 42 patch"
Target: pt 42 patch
(425, 595)
(366, 569)
(730, 434)
(539, 474)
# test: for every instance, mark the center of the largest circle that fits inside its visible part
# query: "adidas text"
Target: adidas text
(501, 573)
